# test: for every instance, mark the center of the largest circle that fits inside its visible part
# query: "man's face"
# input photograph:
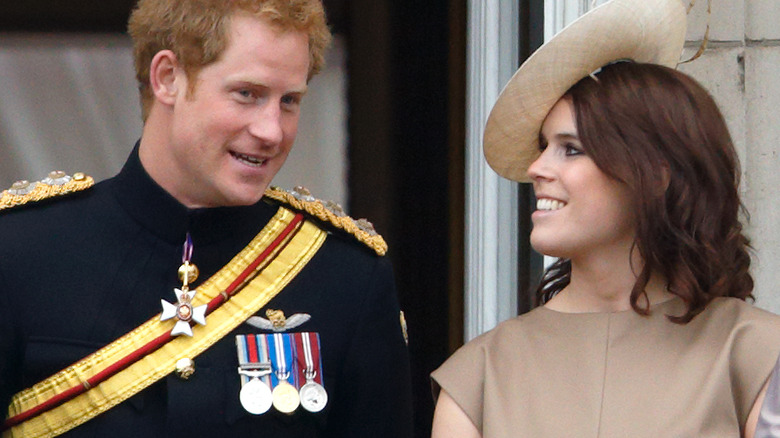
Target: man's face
(231, 134)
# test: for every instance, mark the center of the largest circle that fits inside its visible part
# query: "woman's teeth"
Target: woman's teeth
(549, 204)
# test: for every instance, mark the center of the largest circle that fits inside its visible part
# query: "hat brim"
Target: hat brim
(651, 31)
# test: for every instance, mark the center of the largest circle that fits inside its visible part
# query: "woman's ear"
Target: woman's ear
(163, 77)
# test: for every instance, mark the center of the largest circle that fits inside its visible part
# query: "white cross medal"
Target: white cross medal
(183, 310)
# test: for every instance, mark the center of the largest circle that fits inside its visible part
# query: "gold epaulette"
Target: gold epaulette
(328, 211)
(56, 184)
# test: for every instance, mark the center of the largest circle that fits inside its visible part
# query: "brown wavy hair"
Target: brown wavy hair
(196, 31)
(661, 134)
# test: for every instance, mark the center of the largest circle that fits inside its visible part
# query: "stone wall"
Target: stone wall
(741, 68)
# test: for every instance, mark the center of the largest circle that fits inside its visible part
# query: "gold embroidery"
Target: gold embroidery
(328, 211)
(276, 317)
(56, 184)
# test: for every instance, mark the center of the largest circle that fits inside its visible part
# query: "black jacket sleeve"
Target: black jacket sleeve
(377, 401)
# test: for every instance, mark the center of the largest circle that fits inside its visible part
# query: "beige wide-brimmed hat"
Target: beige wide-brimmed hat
(651, 31)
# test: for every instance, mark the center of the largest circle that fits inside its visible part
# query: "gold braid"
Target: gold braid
(20, 193)
(300, 199)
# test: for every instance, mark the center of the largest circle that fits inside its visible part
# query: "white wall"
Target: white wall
(318, 160)
(67, 103)
(70, 102)
(740, 69)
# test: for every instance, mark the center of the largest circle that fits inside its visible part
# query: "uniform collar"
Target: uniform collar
(159, 212)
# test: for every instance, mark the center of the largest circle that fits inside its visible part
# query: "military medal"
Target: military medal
(183, 310)
(285, 396)
(254, 369)
(313, 395)
(256, 396)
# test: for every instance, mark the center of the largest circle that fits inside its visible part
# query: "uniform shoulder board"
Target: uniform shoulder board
(58, 183)
(328, 211)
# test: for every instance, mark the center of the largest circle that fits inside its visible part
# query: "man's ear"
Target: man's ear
(164, 77)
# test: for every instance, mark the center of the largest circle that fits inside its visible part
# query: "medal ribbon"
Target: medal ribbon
(307, 346)
(252, 349)
(281, 353)
(242, 346)
(262, 351)
(186, 253)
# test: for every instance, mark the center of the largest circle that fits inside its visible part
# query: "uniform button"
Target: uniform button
(185, 368)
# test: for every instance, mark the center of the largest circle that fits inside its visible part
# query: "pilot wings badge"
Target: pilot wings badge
(277, 322)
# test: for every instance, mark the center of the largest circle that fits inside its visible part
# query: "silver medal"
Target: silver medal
(313, 396)
(256, 397)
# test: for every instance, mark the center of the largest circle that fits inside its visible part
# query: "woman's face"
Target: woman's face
(580, 211)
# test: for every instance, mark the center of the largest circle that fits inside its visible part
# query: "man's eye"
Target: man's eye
(291, 100)
(245, 95)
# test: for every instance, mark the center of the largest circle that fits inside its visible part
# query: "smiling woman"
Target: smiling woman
(637, 181)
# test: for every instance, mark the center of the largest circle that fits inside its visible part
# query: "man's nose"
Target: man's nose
(267, 124)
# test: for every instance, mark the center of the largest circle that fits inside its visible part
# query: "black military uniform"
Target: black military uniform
(78, 272)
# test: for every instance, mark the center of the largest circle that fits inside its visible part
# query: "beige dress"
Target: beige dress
(553, 374)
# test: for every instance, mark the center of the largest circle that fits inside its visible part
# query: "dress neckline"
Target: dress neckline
(670, 303)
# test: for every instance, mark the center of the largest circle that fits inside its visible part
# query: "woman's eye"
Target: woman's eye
(572, 149)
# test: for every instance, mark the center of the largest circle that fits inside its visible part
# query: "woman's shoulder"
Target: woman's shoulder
(463, 375)
(741, 313)
(750, 333)
(727, 321)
